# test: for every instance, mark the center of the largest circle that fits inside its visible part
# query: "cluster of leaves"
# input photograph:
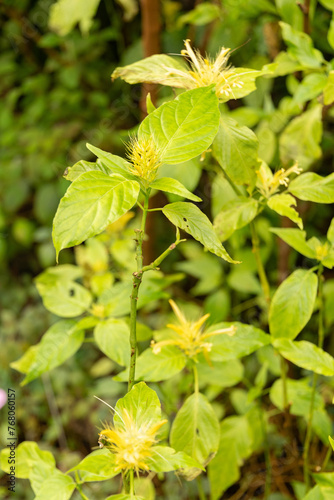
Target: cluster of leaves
(254, 182)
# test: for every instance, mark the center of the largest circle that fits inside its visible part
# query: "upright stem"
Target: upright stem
(196, 388)
(136, 282)
(308, 436)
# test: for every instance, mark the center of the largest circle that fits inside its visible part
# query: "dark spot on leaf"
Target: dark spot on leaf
(185, 220)
(197, 432)
(71, 292)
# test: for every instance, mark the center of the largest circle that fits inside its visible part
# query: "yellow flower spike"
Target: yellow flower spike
(144, 158)
(206, 71)
(131, 445)
(190, 335)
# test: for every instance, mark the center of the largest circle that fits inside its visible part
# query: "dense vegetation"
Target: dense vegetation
(232, 402)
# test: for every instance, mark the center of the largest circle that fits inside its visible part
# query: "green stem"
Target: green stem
(78, 486)
(126, 482)
(136, 282)
(260, 268)
(196, 387)
(266, 457)
(327, 457)
(200, 488)
(132, 488)
(285, 388)
(308, 436)
(154, 265)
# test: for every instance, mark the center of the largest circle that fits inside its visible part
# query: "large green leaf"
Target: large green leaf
(155, 367)
(296, 239)
(173, 186)
(28, 454)
(310, 87)
(152, 69)
(142, 404)
(57, 486)
(203, 13)
(306, 355)
(300, 46)
(93, 201)
(97, 466)
(195, 429)
(165, 459)
(246, 340)
(329, 88)
(300, 140)
(58, 344)
(61, 295)
(183, 128)
(235, 445)
(292, 304)
(188, 217)
(113, 338)
(236, 150)
(65, 14)
(235, 215)
(313, 187)
(282, 204)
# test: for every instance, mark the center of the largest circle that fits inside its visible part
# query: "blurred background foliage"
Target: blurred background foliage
(57, 95)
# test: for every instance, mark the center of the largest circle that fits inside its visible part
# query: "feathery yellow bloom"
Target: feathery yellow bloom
(144, 157)
(190, 338)
(269, 183)
(130, 444)
(206, 71)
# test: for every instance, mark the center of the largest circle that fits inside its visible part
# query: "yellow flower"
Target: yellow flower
(144, 157)
(269, 183)
(130, 444)
(206, 71)
(190, 338)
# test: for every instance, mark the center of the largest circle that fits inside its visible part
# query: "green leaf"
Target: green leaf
(292, 304)
(300, 46)
(195, 429)
(313, 187)
(246, 340)
(65, 14)
(306, 355)
(220, 373)
(300, 140)
(282, 203)
(331, 442)
(58, 344)
(57, 486)
(124, 496)
(28, 454)
(330, 232)
(310, 87)
(330, 38)
(112, 163)
(155, 367)
(142, 404)
(183, 128)
(328, 4)
(165, 459)
(61, 295)
(113, 338)
(299, 394)
(236, 149)
(296, 239)
(93, 201)
(152, 69)
(188, 217)
(97, 466)
(173, 186)
(202, 14)
(235, 445)
(82, 166)
(235, 215)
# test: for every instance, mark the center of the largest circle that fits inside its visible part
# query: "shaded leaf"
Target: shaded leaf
(313, 187)
(235, 215)
(296, 239)
(306, 355)
(113, 338)
(282, 204)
